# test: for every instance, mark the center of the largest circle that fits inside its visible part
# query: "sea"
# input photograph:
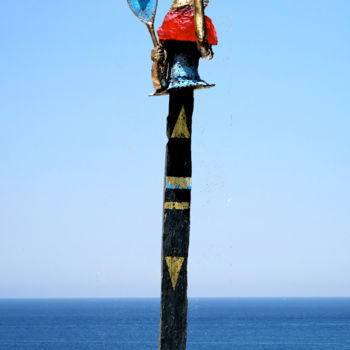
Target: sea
(213, 324)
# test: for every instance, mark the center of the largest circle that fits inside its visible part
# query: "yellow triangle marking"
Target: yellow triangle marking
(181, 130)
(174, 267)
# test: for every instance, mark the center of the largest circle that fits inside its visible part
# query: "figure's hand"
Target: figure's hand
(159, 58)
(158, 54)
(206, 52)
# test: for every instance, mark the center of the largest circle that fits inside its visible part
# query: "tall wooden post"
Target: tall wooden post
(175, 71)
(176, 221)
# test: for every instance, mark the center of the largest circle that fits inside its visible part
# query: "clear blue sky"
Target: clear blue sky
(82, 152)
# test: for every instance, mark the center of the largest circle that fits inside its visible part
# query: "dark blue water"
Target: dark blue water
(215, 324)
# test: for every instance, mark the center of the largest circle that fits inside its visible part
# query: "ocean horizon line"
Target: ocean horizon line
(158, 298)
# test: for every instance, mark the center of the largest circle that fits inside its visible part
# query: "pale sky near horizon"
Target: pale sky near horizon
(82, 152)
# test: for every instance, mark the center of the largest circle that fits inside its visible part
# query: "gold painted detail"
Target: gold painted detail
(174, 267)
(181, 3)
(177, 205)
(178, 183)
(181, 130)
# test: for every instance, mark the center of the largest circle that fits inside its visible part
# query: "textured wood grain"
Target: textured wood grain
(176, 223)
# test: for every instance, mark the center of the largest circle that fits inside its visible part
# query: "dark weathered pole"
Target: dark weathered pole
(176, 222)
(185, 36)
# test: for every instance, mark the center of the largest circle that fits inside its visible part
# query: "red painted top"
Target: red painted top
(179, 25)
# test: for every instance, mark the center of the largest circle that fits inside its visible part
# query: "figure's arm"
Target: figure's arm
(203, 46)
(158, 56)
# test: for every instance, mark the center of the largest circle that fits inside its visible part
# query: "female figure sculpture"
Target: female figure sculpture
(185, 36)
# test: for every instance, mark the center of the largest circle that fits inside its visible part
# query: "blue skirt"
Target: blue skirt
(182, 67)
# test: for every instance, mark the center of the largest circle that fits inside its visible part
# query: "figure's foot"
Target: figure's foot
(160, 92)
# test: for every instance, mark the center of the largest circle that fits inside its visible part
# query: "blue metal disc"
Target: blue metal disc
(145, 10)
